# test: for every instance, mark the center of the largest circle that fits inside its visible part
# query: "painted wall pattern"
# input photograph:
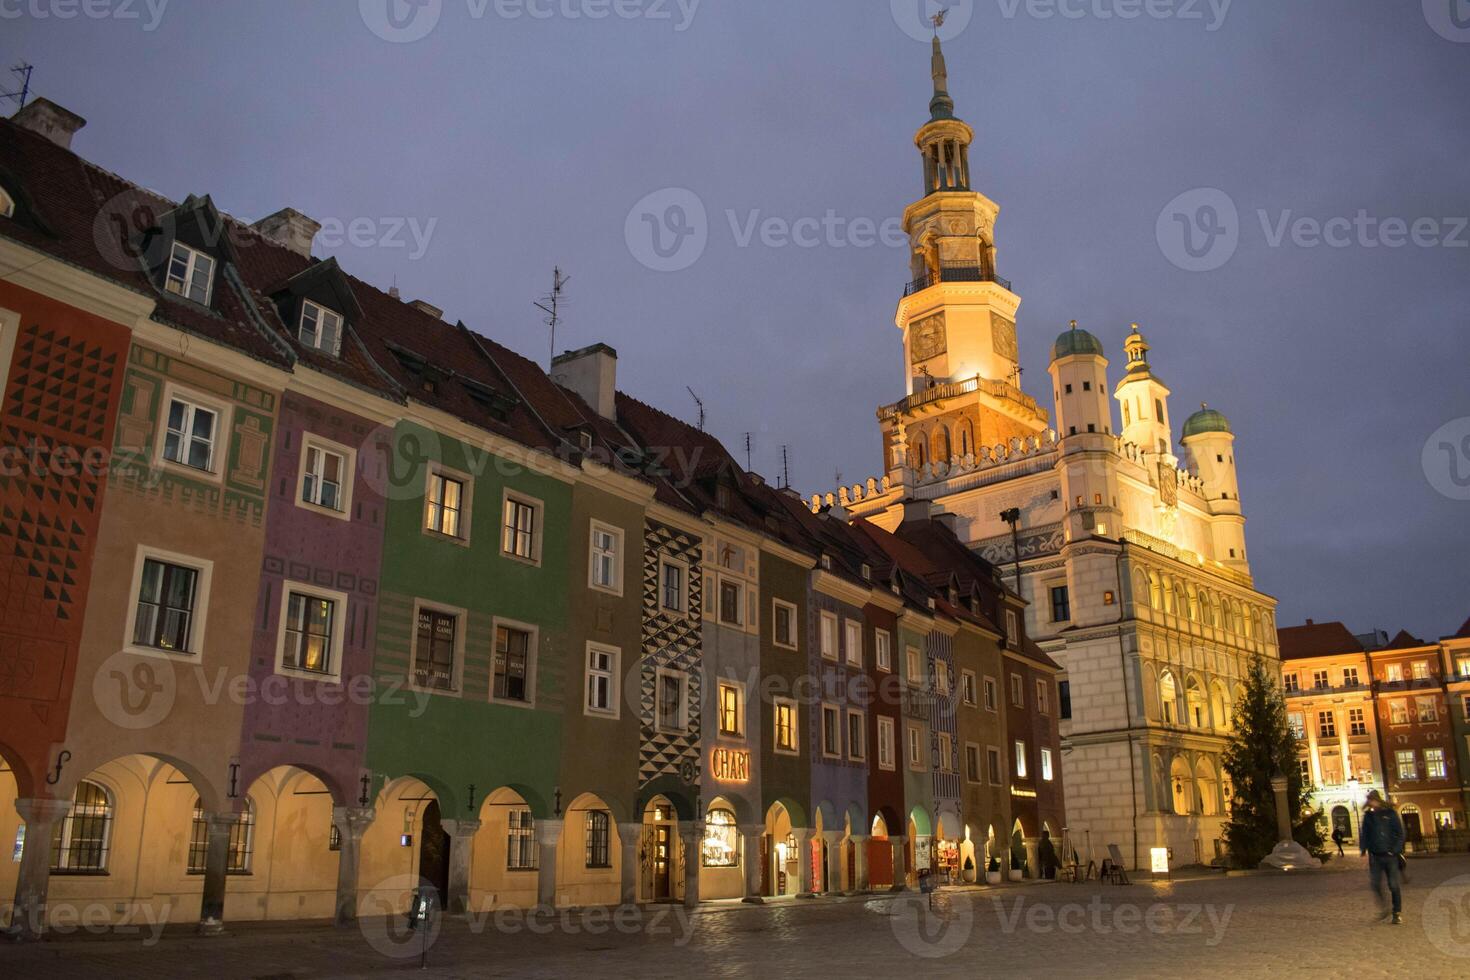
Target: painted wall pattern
(674, 642)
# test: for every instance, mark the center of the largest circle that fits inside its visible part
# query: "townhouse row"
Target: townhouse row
(312, 598)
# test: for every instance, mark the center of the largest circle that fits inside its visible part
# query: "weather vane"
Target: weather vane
(938, 19)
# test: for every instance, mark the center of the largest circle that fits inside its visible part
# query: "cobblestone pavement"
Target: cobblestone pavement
(1309, 924)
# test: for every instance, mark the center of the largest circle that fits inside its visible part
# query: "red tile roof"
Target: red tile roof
(1404, 640)
(1316, 640)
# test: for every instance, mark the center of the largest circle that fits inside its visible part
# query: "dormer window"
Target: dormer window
(827, 562)
(867, 572)
(7, 204)
(190, 274)
(320, 328)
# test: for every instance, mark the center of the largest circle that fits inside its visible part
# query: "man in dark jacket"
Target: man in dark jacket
(1382, 838)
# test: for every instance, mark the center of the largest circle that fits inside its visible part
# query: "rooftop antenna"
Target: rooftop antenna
(698, 403)
(24, 71)
(785, 468)
(551, 306)
(747, 452)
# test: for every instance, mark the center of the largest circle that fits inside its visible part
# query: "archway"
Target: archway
(780, 868)
(1413, 826)
(1168, 698)
(505, 872)
(1197, 709)
(661, 853)
(920, 844)
(946, 849)
(589, 863)
(880, 852)
(286, 852)
(1209, 788)
(1182, 786)
(12, 833)
(1018, 851)
(1342, 821)
(392, 849)
(721, 873)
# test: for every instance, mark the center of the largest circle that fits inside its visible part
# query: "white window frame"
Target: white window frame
(979, 775)
(684, 598)
(913, 661)
(466, 498)
(683, 678)
(860, 753)
(852, 628)
(1018, 690)
(322, 313)
(615, 655)
(310, 441)
(776, 638)
(339, 630)
(722, 580)
(828, 636)
(834, 711)
(538, 525)
(191, 266)
(1043, 696)
(721, 685)
(1021, 765)
(886, 761)
(593, 553)
(1047, 772)
(1013, 628)
(1398, 764)
(776, 705)
(969, 688)
(198, 617)
(461, 626)
(990, 694)
(883, 650)
(915, 747)
(945, 749)
(995, 770)
(220, 446)
(1430, 763)
(533, 661)
(1395, 706)
(941, 678)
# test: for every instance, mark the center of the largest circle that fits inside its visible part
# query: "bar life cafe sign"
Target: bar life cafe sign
(730, 765)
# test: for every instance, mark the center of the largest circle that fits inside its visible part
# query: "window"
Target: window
(446, 502)
(1018, 691)
(941, 678)
(829, 636)
(783, 619)
(671, 586)
(606, 571)
(967, 687)
(602, 672)
(1290, 683)
(1020, 759)
(853, 639)
(945, 747)
(857, 736)
(732, 602)
(671, 701)
(7, 204)
(242, 841)
(1326, 724)
(1013, 632)
(320, 328)
(514, 649)
(435, 650)
(310, 632)
(599, 839)
(1434, 767)
(189, 436)
(168, 596)
(1398, 712)
(882, 650)
(1046, 770)
(324, 475)
(1064, 698)
(972, 762)
(721, 846)
(1297, 725)
(1462, 665)
(1394, 673)
(914, 661)
(1421, 670)
(885, 743)
(1043, 698)
(81, 839)
(520, 841)
(1158, 409)
(1061, 606)
(1350, 677)
(1357, 725)
(190, 274)
(520, 538)
(785, 712)
(1407, 765)
(1319, 680)
(831, 731)
(992, 700)
(1426, 709)
(992, 760)
(1304, 765)
(732, 709)
(916, 748)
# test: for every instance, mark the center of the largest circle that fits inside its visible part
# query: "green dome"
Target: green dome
(1205, 420)
(1076, 341)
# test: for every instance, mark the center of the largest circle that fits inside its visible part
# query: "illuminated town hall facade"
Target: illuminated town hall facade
(1129, 544)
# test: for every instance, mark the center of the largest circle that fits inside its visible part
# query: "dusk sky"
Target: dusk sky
(500, 144)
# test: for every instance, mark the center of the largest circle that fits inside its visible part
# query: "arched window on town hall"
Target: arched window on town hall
(81, 839)
(967, 439)
(942, 448)
(921, 452)
(721, 848)
(242, 841)
(1168, 698)
(1196, 704)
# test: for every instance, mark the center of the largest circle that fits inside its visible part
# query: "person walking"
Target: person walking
(1337, 839)
(1381, 838)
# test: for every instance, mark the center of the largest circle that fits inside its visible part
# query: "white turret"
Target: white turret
(1144, 401)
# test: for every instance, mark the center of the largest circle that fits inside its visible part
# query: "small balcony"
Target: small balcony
(955, 273)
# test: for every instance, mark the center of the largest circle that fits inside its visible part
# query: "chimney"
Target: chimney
(424, 306)
(591, 372)
(917, 510)
(1310, 623)
(290, 228)
(46, 118)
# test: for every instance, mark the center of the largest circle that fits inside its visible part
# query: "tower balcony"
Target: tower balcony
(955, 273)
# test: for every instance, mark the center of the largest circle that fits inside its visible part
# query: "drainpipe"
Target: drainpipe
(1013, 518)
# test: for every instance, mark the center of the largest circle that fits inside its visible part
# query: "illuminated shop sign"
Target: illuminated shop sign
(730, 765)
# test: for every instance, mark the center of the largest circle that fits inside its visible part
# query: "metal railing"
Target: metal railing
(954, 273)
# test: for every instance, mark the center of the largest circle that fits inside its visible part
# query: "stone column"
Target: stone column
(860, 863)
(900, 874)
(216, 865)
(752, 834)
(548, 835)
(351, 824)
(461, 859)
(1033, 856)
(691, 834)
(28, 918)
(833, 840)
(1283, 814)
(803, 862)
(629, 837)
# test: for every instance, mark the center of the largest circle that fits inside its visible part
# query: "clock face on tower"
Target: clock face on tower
(927, 338)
